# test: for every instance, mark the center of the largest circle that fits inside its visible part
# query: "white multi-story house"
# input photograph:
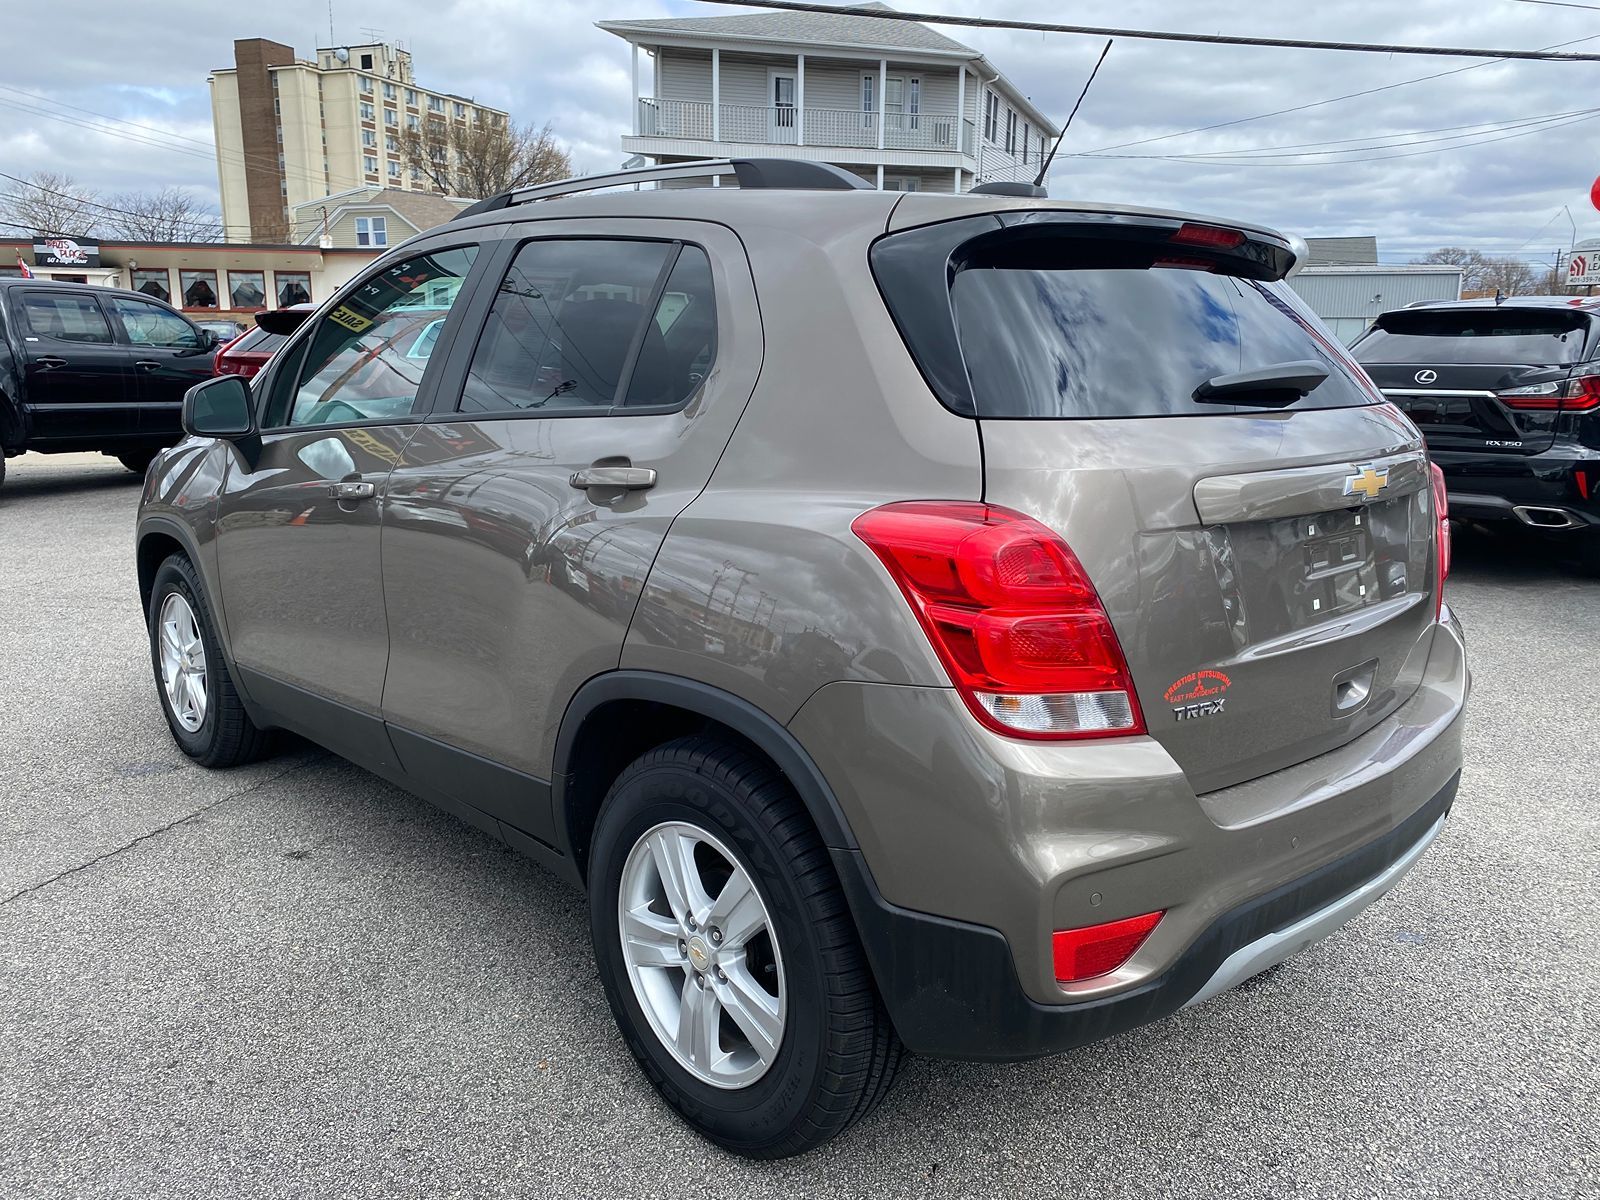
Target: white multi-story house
(899, 104)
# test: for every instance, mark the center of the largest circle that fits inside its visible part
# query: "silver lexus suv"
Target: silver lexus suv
(972, 625)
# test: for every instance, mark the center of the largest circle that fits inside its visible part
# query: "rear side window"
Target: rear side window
(588, 324)
(65, 318)
(1128, 342)
(1489, 335)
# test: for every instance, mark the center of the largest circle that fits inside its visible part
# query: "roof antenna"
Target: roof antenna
(1045, 170)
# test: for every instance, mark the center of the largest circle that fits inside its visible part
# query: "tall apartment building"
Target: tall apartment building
(899, 104)
(290, 130)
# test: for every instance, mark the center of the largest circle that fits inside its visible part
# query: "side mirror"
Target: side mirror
(208, 339)
(220, 407)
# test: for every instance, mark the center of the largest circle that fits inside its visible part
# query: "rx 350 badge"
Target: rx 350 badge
(1198, 694)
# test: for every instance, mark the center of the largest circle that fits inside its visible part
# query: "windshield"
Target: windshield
(1131, 341)
(1492, 335)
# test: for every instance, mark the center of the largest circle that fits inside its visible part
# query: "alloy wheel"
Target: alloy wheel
(702, 955)
(183, 662)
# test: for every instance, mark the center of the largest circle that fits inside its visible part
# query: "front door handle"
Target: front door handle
(352, 491)
(629, 479)
(147, 364)
(50, 362)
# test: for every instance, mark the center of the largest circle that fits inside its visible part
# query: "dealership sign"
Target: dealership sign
(54, 250)
(1583, 264)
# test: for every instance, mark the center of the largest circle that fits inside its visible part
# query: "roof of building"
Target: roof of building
(420, 210)
(812, 27)
(825, 29)
(1342, 251)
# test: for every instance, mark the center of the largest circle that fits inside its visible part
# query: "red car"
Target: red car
(248, 352)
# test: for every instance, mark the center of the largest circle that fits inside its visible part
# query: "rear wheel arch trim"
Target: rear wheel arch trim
(689, 695)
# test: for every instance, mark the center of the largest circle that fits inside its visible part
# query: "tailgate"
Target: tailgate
(1273, 600)
(1458, 407)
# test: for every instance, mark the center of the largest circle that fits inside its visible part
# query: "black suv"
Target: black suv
(1508, 397)
(92, 368)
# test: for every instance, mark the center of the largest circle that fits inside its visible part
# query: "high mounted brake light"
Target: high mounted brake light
(1011, 615)
(1214, 236)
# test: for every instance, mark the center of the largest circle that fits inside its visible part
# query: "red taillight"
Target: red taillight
(1098, 949)
(1190, 234)
(1575, 395)
(1441, 507)
(1581, 478)
(1012, 616)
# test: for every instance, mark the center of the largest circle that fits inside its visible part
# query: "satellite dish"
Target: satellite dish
(342, 54)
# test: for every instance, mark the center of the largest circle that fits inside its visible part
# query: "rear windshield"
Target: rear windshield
(260, 341)
(1131, 341)
(1492, 335)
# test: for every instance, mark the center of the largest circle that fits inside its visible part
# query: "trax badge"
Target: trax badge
(1367, 482)
(1198, 694)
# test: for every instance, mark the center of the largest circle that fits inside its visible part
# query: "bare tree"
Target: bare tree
(483, 157)
(1487, 273)
(168, 215)
(49, 202)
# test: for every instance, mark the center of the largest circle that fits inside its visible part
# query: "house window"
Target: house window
(869, 85)
(294, 287)
(199, 288)
(459, 111)
(411, 97)
(394, 169)
(901, 183)
(388, 91)
(372, 231)
(369, 138)
(389, 144)
(435, 104)
(371, 163)
(366, 111)
(902, 101)
(247, 289)
(991, 116)
(1026, 134)
(366, 65)
(390, 117)
(157, 283)
(1011, 131)
(366, 81)
(413, 122)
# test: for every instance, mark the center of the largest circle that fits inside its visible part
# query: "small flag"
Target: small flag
(23, 267)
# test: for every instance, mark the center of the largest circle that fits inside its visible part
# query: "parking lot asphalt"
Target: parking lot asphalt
(296, 980)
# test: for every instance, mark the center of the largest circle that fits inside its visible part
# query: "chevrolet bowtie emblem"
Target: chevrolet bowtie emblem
(1367, 482)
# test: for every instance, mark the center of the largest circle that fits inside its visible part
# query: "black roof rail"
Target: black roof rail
(781, 173)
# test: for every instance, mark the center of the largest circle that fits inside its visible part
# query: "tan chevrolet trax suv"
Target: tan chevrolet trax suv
(963, 624)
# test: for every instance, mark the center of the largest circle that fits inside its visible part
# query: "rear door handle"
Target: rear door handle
(147, 364)
(50, 362)
(629, 479)
(352, 491)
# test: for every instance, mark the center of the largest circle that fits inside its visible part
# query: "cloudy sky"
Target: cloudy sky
(1485, 154)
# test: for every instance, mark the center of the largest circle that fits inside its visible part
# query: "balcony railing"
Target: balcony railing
(782, 125)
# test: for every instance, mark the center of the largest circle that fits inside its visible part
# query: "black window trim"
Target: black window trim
(294, 351)
(449, 410)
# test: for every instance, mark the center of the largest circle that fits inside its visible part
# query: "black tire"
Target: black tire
(838, 1053)
(1588, 552)
(138, 461)
(2, 468)
(227, 737)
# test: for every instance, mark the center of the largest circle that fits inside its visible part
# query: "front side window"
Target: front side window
(362, 362)
(588, 325)
(65, 318)
(153, 282)
(372, 231)
(199, 288)
(147, 325)
(247, 289)
(294, 287)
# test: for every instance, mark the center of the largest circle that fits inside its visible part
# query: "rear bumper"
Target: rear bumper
(1539, 491)
(963, 871)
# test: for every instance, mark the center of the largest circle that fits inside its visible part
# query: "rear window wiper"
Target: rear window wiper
(1278, 385)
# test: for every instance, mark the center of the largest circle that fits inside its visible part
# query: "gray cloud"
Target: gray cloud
(546, 61)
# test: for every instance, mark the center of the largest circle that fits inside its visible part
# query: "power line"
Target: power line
(1280, 112)
(1158, 35)
(87, 203)
(1562, 4)
(1338, 162)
